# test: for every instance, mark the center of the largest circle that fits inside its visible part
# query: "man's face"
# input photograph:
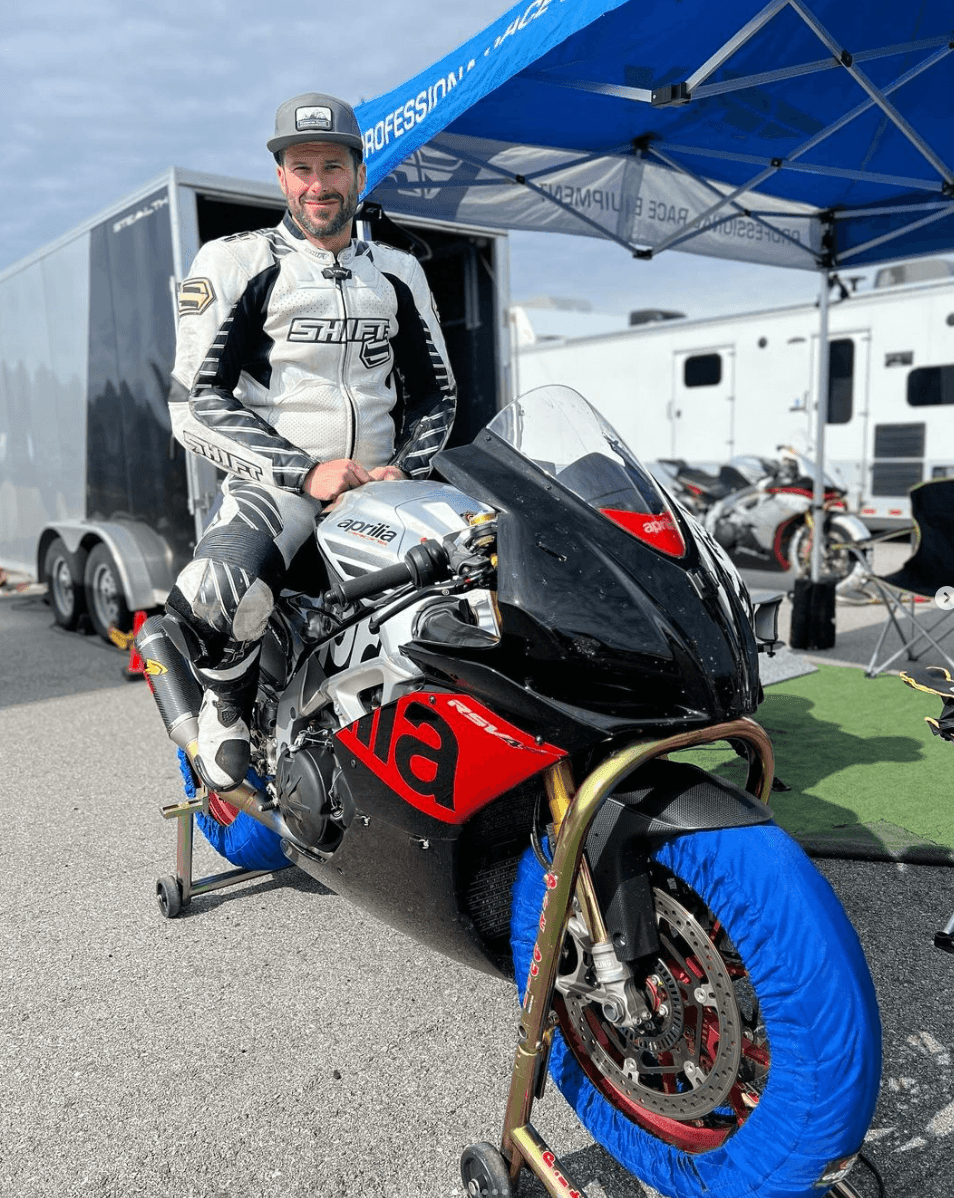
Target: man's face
(321, 185)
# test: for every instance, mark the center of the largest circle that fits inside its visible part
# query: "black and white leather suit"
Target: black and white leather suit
(289, 356)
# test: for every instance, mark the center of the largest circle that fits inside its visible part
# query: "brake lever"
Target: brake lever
(450, 586)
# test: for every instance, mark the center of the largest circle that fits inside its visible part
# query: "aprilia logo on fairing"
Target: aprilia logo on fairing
(371, 334)
(364, 528)
(432, 752)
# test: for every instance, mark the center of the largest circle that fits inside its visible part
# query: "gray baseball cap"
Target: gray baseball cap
(315, 117)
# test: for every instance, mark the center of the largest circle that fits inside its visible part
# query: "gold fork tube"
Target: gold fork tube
(559, 785)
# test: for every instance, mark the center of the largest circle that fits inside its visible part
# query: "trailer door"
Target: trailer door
(701, 413)
(846, 429)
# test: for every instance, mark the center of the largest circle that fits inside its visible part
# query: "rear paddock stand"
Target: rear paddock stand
(174, 892)
(484, 1169)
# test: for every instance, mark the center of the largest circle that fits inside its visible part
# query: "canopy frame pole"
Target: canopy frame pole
(524, 181)
(677, 166)
(700, 217)
(726, 86)
(885, 237)
(780, 163)
(788, 163)
(893, 210)
(644, 95)
(809, 168)
(725, 52)
(821, 419)
(878, 96)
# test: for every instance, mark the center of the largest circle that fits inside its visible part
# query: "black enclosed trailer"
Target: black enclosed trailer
(96, 497)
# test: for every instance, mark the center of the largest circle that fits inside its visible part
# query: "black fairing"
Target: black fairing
(593, 616)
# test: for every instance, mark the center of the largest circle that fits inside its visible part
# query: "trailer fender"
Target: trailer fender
(142, 557)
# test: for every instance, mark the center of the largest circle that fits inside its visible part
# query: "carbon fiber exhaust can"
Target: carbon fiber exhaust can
(176, 691)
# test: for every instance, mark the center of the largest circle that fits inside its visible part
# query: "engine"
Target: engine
(307, 797)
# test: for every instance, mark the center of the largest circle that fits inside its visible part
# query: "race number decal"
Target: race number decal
(446, 755)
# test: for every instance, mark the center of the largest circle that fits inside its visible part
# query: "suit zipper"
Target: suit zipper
(339, 273)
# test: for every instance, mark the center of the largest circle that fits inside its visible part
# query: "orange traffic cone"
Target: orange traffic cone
(136, 664)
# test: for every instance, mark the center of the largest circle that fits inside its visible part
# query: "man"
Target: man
(307, 363)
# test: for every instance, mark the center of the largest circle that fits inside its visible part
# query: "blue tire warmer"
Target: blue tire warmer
(245, 842)
(818, 1003)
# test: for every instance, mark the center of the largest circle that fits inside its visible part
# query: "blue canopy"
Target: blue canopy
(803, 133)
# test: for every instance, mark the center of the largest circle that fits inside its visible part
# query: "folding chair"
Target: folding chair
(930, 567)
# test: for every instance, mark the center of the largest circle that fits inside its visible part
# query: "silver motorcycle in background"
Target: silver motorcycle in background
(759, 510)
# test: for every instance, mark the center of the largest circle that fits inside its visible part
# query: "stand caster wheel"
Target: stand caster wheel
(169, 895)
(484, 1172)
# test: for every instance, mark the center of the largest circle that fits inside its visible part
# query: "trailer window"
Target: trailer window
(929, 386)
(841, 379)
(703, 370)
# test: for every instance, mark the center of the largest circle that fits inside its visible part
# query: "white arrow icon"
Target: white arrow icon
(945, 598)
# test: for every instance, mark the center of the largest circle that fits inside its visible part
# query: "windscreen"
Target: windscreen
(556, 429)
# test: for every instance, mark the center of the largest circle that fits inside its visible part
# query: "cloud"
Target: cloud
(99, 99)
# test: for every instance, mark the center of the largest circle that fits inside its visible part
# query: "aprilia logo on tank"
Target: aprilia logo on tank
(371, 333)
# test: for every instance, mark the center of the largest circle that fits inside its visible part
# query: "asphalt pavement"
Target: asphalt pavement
(274, 1041)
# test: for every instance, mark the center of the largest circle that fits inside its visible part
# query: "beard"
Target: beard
(329, 226)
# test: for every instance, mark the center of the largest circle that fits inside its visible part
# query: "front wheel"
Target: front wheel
(758, 1072)
(836, 559)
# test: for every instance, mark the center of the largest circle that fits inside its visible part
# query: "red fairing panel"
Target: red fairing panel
(446, 755)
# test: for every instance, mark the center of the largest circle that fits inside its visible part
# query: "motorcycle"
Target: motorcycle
(472, 730)
(759, 510)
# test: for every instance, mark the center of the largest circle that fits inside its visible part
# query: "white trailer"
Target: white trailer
(96, 497)
(706, 390)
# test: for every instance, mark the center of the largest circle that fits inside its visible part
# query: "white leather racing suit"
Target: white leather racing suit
(288, 356)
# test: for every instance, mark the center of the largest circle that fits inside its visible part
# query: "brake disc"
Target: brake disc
(685, 1064)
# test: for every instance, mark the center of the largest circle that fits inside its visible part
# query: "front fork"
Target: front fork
(573, 812)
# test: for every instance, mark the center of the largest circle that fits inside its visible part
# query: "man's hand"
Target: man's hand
(388, 474)
(328, 480)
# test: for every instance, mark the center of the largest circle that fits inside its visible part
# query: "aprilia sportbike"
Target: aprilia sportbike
(473, 730)
(759, 510)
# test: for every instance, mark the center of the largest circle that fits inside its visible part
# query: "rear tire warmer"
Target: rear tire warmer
(242, 840)
(817, 1001)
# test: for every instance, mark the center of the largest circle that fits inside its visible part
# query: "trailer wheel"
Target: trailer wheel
(105, 600)
(63, 575)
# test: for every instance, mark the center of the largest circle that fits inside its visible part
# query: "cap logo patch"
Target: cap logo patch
(313, 118)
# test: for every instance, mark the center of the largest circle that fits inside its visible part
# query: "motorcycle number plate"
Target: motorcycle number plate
(446, 755)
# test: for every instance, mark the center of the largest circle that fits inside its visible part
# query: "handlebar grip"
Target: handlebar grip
(374, 583)
(422, 565)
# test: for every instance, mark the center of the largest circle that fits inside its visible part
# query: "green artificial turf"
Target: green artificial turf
(867, 776)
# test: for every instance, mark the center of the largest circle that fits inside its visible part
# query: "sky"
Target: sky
(99, 98)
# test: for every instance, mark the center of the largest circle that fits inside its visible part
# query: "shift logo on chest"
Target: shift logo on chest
(371, 334)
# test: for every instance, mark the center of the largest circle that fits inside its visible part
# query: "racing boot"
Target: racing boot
(222, 759)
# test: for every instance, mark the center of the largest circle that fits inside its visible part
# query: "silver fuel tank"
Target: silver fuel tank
(375, 525)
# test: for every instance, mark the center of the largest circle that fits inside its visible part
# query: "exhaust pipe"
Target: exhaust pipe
(174, 687)
(178, 696)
